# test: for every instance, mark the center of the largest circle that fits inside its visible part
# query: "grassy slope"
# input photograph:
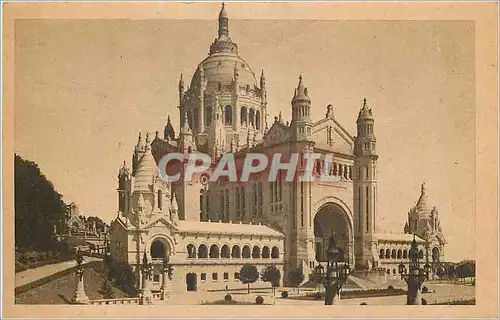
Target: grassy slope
(60, 291)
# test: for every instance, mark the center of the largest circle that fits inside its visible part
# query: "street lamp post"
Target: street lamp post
(319, 271)
(415, 276)
(335, 276)
(146, 296)
(79, 296)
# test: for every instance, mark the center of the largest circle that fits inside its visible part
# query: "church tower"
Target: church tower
(124, 188)
(301, 124)
(365, 189)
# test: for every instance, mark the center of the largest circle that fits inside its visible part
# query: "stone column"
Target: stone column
(201, 113)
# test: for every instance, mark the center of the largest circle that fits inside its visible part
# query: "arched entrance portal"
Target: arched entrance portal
(191, 282)
(331, 219)
(159, 249)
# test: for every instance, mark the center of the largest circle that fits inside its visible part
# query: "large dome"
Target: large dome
(219, 70)
(224, 102)
(223, 62)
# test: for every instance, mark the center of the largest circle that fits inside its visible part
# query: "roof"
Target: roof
(146, 170)
(227, 228)
(398, 237)
(422, 205)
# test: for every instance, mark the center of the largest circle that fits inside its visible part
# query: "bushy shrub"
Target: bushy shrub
(363, 304)
(284, 294)
(425, 289)
(259, 300)
(106, 290)
(122, 276)
(390, 287)
(424, 302)
(228, 297)
(317, 296)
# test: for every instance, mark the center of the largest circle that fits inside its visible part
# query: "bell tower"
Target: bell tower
(365, 189)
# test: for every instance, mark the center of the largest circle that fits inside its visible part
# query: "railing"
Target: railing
(459, 301)
(114, 301)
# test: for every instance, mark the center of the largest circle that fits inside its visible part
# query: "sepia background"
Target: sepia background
(482, 15)
(85, 88)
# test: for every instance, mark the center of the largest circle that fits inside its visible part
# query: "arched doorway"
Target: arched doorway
(159, 249)
(331, 219)
(191, 281)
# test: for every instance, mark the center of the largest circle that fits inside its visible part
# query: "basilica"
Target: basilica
(208, 229)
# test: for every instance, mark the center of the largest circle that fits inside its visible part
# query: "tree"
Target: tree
(248, 274)
(106, 290)
(466, 269)
(38, 206)
(451, 270)
(316, 278)
(296, 277)
(271, 274)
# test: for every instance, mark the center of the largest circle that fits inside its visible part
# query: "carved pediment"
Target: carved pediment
(328, 134)
(277, 134)
(160, 222)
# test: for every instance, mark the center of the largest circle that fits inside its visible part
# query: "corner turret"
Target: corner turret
(301, 113)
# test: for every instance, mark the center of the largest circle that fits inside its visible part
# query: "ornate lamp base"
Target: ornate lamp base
(80, 297)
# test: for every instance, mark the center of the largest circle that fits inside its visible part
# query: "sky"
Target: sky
(85, 88)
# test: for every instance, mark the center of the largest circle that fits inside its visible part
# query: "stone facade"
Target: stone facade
(224, 110)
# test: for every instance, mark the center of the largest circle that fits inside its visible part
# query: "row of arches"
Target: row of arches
(397, 254)
(249, 117)
(214, 252)
(334, 169)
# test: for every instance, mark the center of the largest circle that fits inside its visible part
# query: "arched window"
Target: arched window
(244, 116)
(246, 252)
(275, 253)
(435, 254)
(236, 252)
(228, 115)
(256, 252)
(208, 116)
(387, 253)
(191, 249)
(251, 117)
(381, 255)
(421, 254)
(202, 251)
(160, 199)
(257, 120)
(225, 251)
(214, 251)
(393, 254)
(400, 254)
(405, 254)
(265, 252)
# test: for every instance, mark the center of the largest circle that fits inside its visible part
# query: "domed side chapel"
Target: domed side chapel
(208, 230)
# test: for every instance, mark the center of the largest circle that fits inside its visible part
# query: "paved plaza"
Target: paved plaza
(442, 293)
